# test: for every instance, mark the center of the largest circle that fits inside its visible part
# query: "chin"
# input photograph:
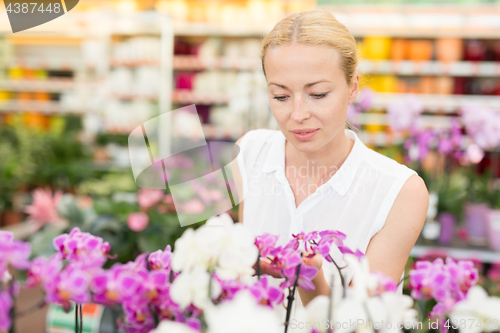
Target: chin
(305, 146)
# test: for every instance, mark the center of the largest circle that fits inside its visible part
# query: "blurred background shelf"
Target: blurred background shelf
(84, 81)
(457, 249)
(452, 68)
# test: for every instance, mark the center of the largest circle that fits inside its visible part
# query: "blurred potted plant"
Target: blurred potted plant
(434, 152)
(17, 165)
(451, 194)
(476, 207)
(493, 217)
(31, 158)
(483, 126)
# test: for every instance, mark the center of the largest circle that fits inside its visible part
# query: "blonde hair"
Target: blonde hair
(316, 27)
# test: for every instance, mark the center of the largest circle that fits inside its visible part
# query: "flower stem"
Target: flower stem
(258, 267)
(340, 273)
(12, 328)
(330, 306)
(81, 318)
(291, 297)
(401, 281)
(211, 272)
(154, 314)
(76, 318)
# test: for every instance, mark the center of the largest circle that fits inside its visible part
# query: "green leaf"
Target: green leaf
(41, 241)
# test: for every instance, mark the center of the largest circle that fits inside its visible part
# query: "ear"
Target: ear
(354, 89)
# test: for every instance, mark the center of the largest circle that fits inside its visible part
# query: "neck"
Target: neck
(319, 164)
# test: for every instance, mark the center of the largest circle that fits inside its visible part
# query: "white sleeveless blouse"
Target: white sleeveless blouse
(356, 200)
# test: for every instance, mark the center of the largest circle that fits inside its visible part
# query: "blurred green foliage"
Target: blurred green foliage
(30, 157)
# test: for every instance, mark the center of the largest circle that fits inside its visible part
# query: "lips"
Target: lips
(304, 134)
(304, 130)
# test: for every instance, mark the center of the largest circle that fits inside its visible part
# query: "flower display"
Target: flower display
(209, 283)
(447, 282)
(148, 198)
(138, 221)
(478, 306)
(483, 125)
(404, 112)
(43, 210)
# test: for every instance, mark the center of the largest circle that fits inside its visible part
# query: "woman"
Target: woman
(314, 173)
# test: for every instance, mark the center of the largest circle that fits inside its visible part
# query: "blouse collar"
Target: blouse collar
(341, 181)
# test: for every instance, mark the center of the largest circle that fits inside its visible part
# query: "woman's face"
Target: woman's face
(308, 93)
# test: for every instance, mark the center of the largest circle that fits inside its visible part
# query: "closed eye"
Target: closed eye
(280, 98)
(319, 95)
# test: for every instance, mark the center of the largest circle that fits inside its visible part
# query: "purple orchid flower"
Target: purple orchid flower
(266, 243)
(13, 252)
(70, 285)
(43, 269)
(384, 283)
(161, 259)
(138, 316)
(404, 112)
(115, 285)
(84, 248)
(266, 294)
(6, 305)
(345, 249)
(306, 274)
(446, 282)
(230, 287)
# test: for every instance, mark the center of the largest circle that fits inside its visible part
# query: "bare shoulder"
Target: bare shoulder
(389, 249)
(411, 204)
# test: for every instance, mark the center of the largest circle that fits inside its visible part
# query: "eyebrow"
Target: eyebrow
(307, 85)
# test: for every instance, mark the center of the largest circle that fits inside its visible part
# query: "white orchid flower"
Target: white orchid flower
(219, 245)
(476, 313)
(167, 326)
(313, 316)
(191, 287)
(242, 314)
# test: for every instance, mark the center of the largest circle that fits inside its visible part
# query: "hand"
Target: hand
(267, 268)
(314, 261)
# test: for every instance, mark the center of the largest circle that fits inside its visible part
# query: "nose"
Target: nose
(300, 112)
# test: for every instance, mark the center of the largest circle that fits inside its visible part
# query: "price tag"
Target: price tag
(59, 321)
(495, 222)
(431, 230)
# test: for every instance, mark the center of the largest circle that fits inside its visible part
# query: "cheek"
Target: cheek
(279, 109)
(332, 113)
(330, 108)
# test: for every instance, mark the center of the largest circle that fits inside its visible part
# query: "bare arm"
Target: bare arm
(238, 182)
(389, 250)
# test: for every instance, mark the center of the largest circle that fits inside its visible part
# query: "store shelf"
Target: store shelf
(404, 67)
(47, 107)
(482, 255)
(187, 62)
(49, 85)
(455, 68)
(420, 20)
(52, 63)
(209, 29)
(439, 103)
(379, 139)
(123, 63)
(131, 97)
(185, 96)
(217, 132)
